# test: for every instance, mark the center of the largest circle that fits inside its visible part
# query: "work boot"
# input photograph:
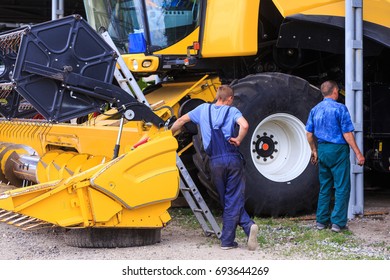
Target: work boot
(337, 228)
(228, 247)
(252, 239)
(320, 226)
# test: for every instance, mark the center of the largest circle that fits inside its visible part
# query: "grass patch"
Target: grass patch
(184, 217)
(292, 239)
(302, 240)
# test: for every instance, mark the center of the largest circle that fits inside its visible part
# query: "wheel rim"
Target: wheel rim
(279, 148)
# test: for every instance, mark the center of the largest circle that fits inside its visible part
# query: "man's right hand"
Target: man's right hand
(314, 158)
(234, 141)
(360, 159)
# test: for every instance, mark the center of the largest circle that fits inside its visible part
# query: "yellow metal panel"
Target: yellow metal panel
(165, 217)
(170, 94)
(230, 28)
(81, 138)
(145, 175)
(103, 207)
(140, 58)
(49, 202)
(288, 7)
(144, 179)
(63, 139)
(68, 222)
(375, 11)
(150, 216)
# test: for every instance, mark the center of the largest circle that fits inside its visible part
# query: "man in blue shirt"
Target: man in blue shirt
(329, 124)
(217, 123)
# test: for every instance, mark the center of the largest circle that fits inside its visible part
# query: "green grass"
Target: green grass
(292, 239)
(184, 217)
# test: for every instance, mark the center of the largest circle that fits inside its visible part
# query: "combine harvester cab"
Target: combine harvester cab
(61, 70)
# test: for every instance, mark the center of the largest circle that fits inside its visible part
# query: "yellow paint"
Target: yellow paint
(375, 11)
(133, 190)
(230, 28)
(140, 58)
(145, 175)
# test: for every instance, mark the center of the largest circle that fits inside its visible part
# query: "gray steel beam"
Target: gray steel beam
(354, 96)
(57, 9)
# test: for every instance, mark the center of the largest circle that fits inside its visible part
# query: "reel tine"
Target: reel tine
(9, 42)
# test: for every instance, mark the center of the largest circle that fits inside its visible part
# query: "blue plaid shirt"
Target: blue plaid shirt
(328, 121)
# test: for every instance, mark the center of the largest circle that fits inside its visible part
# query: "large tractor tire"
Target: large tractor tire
(111, 237)
(280, 181)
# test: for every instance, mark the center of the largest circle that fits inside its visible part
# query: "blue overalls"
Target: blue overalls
(227, 174)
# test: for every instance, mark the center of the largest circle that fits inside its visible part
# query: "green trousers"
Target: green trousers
(334, 172)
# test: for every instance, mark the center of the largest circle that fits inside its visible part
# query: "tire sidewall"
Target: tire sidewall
(266, 197)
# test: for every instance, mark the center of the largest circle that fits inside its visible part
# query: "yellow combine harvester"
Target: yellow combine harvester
(274, 53)
(110, 180)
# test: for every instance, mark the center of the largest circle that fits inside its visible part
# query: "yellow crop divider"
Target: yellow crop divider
(133, 190)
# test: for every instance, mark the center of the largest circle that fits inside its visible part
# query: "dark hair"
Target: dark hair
(328, 87)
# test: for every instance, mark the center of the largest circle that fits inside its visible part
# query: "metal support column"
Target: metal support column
(57, 9)
(354, 96)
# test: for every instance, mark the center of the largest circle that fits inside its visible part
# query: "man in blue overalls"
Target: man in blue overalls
(330, 124)
(217, 122)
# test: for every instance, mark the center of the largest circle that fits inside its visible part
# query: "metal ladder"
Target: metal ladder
(123, 76)
(187, 186)
(196, 202)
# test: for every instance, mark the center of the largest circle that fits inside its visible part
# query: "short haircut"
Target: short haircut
(328, 87)
(224, 92)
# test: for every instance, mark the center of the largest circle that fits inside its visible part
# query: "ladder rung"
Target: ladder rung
(190, 191)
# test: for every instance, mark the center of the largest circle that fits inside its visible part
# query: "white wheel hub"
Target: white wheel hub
(279, 148)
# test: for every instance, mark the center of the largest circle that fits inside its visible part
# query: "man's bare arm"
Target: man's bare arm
(178, 124)
(313, 147)
(243, 130)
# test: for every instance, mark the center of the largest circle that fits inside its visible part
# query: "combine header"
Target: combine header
(62, 70)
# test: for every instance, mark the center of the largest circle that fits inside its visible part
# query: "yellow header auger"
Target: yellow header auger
(62, 70)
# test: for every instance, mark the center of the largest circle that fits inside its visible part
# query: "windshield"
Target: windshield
(168, 21)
